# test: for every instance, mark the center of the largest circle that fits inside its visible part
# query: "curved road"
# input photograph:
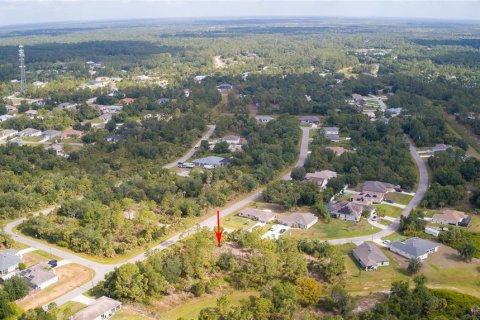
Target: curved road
(210, 222)
(102, 269)
(414, 202)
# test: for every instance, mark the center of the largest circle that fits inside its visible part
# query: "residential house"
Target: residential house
(378, 186)
(67, 106)
(310, 120)
(128, 100)
(71, 133)
(432, 231)
(111, 109)
(369, 256)
(40, 276)
(333, 137)
(30, 132)
(452, 217)
(224, 87)
(114, 138)
(337, 150)
(350, 211)
(368, 198)
(31, 113)
(263, 119)
(414, 248)
(358, 98)
(51, 134)
(393, 112)
(163, 100)
(9, 260)
(298, 220)
(321, 177)
(200, 78)
(8, 133)
(210, 162)
(441, 147)
(100, 309)
(5, 117)
(258, 215)
(331, 131)
(106, 117)
(58, 148)
(231, 139)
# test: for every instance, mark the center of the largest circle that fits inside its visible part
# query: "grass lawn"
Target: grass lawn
(37, 256)
(191, 309)
(395, 237)
(235, 222)
(334, 230)
(399, 198)
(127, 315)
(388, 210)
(70, 276)
(69, 309)
(385, 222)
(443, 269)
(474, 225)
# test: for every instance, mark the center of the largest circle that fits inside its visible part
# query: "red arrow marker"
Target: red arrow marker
(218, 232)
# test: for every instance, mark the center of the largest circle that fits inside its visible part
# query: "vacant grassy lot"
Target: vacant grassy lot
(124, 314)
(399, 198)
(69, 309)
(70, 277)
(237, 223)
(191, 309)
(37, 256)
(443, 269)
(385, 209)
(334, 230)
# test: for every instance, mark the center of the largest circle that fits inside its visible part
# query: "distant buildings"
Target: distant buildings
(224, 88)
(310, 120)
(415, 248)
(263, 119)
(368, 198)
(378, 187)
(210, 162)
(51, 134)
(337, 150)
(231, 139)
(30, 132)
(369, 256)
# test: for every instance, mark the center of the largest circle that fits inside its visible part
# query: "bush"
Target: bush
(198, 289)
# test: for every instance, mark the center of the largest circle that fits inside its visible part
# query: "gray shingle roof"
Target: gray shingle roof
(369, 254)
(9, 258)
(415, 246)
(99, 307)
(211, 160)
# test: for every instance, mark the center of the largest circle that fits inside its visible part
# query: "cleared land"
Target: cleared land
(399, 198)
(125, 314)
(388, 210)
(443, 269)
(70, 277)
(191, 309)
(37, 256)
(334, 230)
(69, 309)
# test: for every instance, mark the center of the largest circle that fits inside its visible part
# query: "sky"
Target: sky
(38, 11)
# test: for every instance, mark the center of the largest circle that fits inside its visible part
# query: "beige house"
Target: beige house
(350, 211)
(451, 217)
(378, 186)
(257, 215)
(298, 220)
(100, 309)
(321, 177)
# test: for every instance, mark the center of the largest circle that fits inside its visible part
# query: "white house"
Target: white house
(331, 131)
(40, 276)
(231, 139)
(9, 260)
(100, 309)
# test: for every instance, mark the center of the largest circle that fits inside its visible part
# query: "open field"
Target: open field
(191, 309)
(391, 211)
(399, 198)
(124, 314)
(334, 230)
(70, 277)
(38, 256)
(443, 269)
(237, 223)
(69, 309)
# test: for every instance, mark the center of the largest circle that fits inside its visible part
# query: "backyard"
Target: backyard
(387, 210)
(399, 198)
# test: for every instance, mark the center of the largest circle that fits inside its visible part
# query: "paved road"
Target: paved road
(414, 202)
(191, 152)
(102, 269)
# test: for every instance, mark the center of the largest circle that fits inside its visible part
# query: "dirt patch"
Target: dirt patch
(70, 277)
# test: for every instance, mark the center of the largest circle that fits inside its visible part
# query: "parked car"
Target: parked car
(53, 263)
(387, 242)
(282, 231)
(388, 201)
